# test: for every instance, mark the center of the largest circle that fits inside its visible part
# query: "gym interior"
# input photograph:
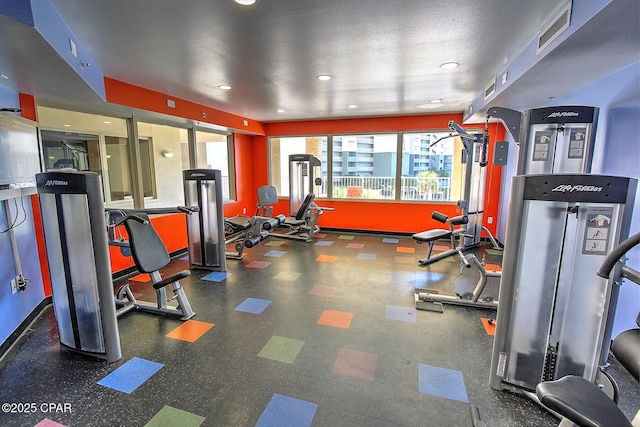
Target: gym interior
(171, 258)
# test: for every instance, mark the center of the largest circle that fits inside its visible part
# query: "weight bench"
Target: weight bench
(150, 255)
(431, 236)
(247, 232)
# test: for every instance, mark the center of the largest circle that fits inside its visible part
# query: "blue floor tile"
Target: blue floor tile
(275, 253)
(369, 257)
(404, 314)
(284, 411)
(389, 240)
(131, 375)
(253, 305)
(442, 382)
(216, 276)
(324, 243)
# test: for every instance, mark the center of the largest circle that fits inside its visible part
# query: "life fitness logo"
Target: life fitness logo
(55, 183)
(566, 188)
(197, 174)
(559, 114)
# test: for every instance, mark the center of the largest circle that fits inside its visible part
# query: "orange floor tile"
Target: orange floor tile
(337, 319)
(190, 330)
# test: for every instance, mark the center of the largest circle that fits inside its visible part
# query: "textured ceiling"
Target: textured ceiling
(383, 55)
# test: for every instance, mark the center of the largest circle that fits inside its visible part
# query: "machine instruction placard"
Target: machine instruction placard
(576, 143)
(597, 231)
(541, 146)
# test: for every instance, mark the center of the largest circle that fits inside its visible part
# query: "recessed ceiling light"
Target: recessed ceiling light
(324, 77)
(436, 101)
(426, 106)
(280, 110)
(224, 87)
(67, 126)
(106, 122)
(352, 106)
(449, 65)
(246, 2)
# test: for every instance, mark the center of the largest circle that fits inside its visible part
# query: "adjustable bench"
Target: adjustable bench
(431, 236)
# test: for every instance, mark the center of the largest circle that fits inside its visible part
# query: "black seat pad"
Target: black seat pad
(240, 221)
(581, 401)
(431, 235)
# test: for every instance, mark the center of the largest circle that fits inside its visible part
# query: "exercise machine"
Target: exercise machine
(304, 177)
(207, 249)
(431, 300)
(471, 206)
(464, 230)
(247, 232)
(72, 208)
(579, 400)
(555, 315)
(551, 139)
(150, 255)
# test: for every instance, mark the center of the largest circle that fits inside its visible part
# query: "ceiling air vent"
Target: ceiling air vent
(550, 32)
(490, 88)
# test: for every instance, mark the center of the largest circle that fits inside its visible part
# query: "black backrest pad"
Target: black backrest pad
(267, 195)
(148, 250)
(305, 206)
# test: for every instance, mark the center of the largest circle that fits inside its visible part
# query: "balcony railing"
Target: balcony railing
(376, 187)
(383, 188)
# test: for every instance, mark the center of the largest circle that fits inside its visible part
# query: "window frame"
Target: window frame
(398, 196)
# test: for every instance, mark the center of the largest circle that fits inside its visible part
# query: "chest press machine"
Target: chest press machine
(150, 256)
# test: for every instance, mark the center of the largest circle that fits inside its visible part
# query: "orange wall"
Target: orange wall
(403, 217)
(122, 93)
(172, 228)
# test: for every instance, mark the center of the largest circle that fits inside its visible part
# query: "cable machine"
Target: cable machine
(74, 226)
(207, 249)
(551, 139)
(555, 315)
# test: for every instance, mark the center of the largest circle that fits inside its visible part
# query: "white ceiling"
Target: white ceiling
(384, 55)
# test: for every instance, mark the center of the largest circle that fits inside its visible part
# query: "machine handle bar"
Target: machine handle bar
(121, 220)
(617, 253)
(157, 211)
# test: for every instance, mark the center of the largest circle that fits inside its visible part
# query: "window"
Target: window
(364, 166)
(421, 166)
(89, 142)
(282, 148)
(215, 151)
(161, 164)
(428, 166)
(119, 176)
(102, 144)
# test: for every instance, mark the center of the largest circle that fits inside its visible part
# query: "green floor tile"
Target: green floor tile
(281, 349)
(287, 276)
(169, 416)
(380, 277)
(345, 237)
